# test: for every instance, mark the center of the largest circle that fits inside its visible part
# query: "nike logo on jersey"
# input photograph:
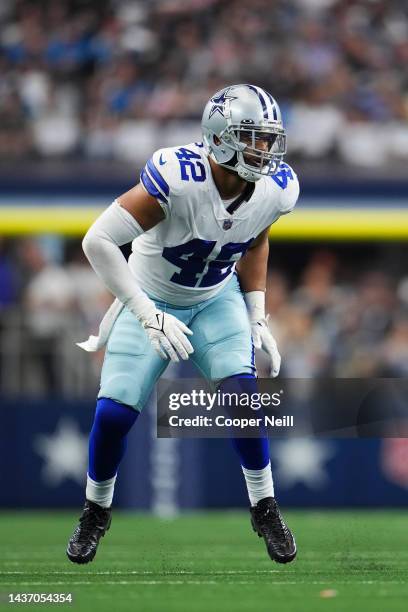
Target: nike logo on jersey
(161, 160)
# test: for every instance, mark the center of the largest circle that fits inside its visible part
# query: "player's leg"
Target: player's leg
(224, 352)
(266, 518)
(107, 445)
(253, 452)
(130, 370)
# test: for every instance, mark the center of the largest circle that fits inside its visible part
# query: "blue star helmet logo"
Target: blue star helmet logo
(219, 102)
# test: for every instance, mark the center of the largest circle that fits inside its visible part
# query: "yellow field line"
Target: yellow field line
(306, 224)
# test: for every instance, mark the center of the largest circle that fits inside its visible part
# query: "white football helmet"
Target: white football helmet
(243, 131)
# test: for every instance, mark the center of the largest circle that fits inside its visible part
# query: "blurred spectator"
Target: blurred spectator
(8, 276)
(92, 299)
(304, 344)
(50, 301)
(395, 349)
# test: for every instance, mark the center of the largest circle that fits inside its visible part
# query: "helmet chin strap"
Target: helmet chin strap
(242, 172)
(234, 165)
(246, 174)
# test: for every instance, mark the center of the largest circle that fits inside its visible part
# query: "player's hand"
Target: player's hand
(168, 336)
(264, 340)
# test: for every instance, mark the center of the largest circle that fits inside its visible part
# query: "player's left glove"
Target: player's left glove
(262, 337)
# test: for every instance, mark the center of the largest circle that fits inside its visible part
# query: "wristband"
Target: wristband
(255, 303)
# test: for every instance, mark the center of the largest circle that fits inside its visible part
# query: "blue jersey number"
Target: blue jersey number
(190, 169)
(192, 258)
(285, 173)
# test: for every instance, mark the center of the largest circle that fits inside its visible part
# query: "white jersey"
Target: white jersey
(192, 253)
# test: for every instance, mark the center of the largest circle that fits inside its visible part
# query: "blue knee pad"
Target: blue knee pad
(107, 441)
(253, 452)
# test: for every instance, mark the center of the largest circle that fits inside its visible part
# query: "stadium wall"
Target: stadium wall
(332, 209)
(43, 451)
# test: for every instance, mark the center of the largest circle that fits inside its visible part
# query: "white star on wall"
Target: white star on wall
(64, 452)
(301, 460)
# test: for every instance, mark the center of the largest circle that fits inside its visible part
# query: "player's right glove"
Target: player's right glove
(168, 335)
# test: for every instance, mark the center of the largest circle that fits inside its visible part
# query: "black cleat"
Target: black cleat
(93, 524)
(268, 523)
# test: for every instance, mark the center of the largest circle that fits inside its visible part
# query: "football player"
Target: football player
(193, 288)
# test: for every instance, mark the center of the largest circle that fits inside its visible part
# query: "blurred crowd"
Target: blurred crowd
(50, 298)
(115, 79)
(330, 318)
(345, 321)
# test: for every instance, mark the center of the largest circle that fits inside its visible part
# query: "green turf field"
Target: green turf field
(212, 562)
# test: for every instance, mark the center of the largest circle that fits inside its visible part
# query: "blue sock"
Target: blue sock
(107, 441)
(253, 452)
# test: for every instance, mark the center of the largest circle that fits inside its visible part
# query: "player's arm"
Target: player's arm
(129, 216)
(142, 206)
(252, 270)
(117, 226)
(252, 267)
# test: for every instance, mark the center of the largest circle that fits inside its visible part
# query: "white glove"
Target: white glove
(262, 337)
(168, 336)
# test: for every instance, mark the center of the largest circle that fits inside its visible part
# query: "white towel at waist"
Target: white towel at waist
(94, 343)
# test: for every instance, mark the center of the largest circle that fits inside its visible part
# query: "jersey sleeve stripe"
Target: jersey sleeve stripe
(157, 177)
(150, 187)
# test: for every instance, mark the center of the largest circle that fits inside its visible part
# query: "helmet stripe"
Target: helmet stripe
(275, 114)
(261, 99)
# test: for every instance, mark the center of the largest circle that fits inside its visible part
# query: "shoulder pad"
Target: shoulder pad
(170, 171)
(288, 184)
(285, 185)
